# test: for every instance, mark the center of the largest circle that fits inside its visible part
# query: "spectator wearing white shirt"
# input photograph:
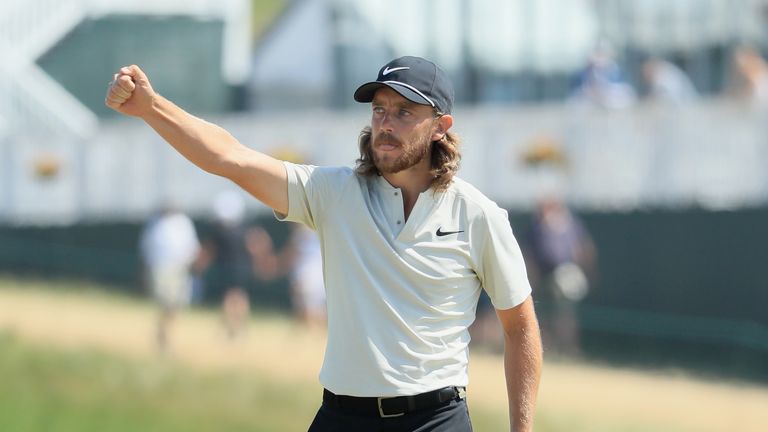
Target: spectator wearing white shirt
(169, 246)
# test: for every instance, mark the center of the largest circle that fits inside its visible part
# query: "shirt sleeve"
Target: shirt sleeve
(311, 190)
(501, 268)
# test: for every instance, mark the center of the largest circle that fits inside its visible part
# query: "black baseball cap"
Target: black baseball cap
(416, 79)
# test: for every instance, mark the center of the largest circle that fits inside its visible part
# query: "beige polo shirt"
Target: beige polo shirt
(401, 294)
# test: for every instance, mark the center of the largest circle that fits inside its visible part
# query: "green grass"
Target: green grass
(61, 391)
(55, 390)
(49, 389)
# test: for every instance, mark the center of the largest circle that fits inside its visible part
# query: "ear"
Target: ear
(444, 123)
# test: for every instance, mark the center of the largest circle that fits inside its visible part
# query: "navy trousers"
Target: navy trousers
(452, 416)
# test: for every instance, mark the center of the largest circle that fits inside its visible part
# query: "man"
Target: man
(227, 262)
(562, 261)
(169, 248)
(407, 249)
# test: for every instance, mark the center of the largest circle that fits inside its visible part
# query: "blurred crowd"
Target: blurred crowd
(604, 83)
(226, 265)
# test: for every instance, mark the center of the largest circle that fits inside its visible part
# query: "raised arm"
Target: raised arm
(522, 363)
(205, 144)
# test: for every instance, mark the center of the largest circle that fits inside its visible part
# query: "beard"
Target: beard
(412, 152)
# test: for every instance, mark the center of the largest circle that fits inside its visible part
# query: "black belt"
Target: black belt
(394, 406)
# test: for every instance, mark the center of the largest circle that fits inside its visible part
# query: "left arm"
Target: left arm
(522, 362)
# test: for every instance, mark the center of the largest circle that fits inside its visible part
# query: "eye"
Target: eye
(378, 110)
(404, 113)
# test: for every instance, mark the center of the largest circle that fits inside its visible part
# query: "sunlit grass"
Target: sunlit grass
(58, 390)
(77, 356)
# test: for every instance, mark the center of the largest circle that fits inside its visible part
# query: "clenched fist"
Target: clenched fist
(130, 93)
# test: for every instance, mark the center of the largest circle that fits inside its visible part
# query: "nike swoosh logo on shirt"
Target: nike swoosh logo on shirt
(387, 70)
(441, 233)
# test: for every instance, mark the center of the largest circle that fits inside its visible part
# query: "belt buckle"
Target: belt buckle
(381, 411)
(462, 392)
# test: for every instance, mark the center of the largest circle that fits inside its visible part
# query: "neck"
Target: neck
(412, 181)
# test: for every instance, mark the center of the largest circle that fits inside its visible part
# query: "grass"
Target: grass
(75, 357)
(57, 390)
(52, 387)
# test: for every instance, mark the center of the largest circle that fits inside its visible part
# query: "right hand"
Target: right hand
(130, 92)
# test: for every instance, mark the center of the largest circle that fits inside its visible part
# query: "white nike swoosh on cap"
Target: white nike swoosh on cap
(387, 70)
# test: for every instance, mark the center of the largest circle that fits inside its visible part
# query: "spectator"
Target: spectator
(751, 76)
(227, 263)
(561, 258)
(302, 261)
(667, 83)
(602, 82)
(168, 247)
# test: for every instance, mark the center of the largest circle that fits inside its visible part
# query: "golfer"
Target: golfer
(407, 248)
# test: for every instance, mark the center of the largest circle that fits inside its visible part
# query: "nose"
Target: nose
(385, 122)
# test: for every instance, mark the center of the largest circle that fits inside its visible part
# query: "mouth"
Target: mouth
(386, 143)
(386, 146)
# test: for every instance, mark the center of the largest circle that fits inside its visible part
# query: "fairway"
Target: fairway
(270, 375)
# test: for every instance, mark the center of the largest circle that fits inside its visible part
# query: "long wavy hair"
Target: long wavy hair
(445, 158)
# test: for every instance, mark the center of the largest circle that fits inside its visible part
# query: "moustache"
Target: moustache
(386, 138)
